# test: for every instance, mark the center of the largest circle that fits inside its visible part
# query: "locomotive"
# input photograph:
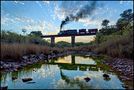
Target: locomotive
(81, 31)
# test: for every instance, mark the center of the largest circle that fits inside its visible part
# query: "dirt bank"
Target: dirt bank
(124, 67)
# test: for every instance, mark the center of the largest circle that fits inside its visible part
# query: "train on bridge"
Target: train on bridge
(80, 32)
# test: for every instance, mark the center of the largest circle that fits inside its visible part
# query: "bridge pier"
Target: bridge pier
(73, 59)
(52, 41)
(73, 41)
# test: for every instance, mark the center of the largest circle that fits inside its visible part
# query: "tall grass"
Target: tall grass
(16, 51)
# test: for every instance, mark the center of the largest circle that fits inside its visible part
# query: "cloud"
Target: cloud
(43, 26)
(46, 2)
(19, 2)
(8, 20)
(59, 13)
(126, 2)
(36, 26)
(29, 24)
(23, 20)
(62, 11)
(88, 22)
(5, 20)
(95, 22)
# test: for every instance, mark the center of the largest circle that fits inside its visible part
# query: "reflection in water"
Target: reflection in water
(66, 72)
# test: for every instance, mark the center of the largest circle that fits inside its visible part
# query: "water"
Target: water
(63, 73)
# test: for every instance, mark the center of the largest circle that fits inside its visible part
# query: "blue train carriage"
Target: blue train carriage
(71, 32)
(68, 32)
(82, 31)
(92, 31)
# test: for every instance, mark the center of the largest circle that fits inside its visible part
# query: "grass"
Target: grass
(16, 51)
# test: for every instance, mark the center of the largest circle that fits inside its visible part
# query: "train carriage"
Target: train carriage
(92, 31)
(82, 31)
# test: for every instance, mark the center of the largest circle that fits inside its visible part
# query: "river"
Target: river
(68, 72)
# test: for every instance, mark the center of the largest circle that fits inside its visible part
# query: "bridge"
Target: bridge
(52, 37)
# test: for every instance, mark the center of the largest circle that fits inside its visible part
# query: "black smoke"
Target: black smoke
(83, 12)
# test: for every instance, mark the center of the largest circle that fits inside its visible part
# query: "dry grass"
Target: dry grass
(16, 51)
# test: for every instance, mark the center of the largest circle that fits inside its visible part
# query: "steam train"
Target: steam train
(80, 32)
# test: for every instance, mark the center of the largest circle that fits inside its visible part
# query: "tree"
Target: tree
(125, 19)
(127, 15)
(36, 33)
(34, 37)
(105, 23)
(24, 31)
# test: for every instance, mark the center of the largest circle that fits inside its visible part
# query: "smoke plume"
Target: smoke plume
(83, 12)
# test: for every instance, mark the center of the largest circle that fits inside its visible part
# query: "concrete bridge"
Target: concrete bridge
(52, 37)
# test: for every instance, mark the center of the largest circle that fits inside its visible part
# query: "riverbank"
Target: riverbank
(11, 65)
(124, 68)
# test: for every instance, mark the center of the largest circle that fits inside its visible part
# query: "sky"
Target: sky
(46, 16)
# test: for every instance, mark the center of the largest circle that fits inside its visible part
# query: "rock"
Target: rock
(4, 88)
(34, 70)
(106, 75)
(1, 62)
(125, 86)
(25, 57)
(107, 78)
(15, 69)
(29, 62)
(87, 79)
(32, 56)
(41, 56)
(27, 79)
(14, 78)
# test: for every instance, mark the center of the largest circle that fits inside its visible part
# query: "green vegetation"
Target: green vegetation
(12, 37)
(117, 40)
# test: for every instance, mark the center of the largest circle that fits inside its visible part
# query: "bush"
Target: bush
(117, 45)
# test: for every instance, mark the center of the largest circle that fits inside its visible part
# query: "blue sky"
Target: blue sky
(46, 16)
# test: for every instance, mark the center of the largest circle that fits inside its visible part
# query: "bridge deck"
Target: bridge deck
(49, 36)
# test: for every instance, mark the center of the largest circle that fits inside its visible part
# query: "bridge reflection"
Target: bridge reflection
(73, 65)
